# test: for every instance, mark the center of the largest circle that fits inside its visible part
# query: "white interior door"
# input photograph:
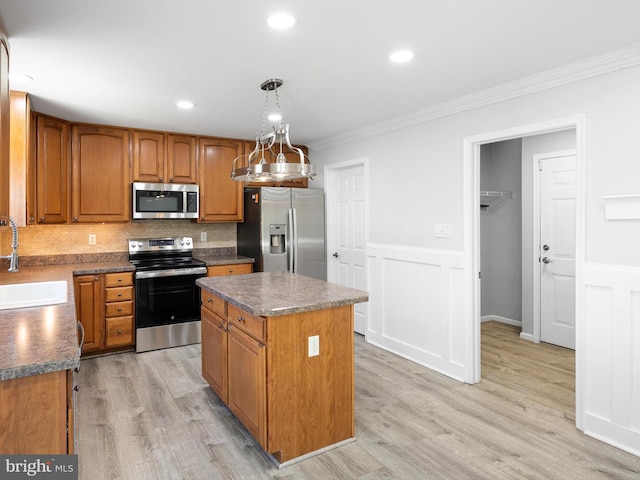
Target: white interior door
(557, 250)
(346, 242)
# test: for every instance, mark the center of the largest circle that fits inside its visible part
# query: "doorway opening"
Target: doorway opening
(472, 229)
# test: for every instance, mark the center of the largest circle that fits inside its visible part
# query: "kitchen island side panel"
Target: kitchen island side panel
(310, 399)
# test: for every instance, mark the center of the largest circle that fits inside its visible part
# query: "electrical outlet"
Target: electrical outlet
(442, 230)
(314, 346)
(203, 236)
(92, 239)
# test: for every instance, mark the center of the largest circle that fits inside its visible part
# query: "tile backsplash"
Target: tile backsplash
(111, 237)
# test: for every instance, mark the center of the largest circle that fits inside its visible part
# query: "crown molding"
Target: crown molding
(613, 61)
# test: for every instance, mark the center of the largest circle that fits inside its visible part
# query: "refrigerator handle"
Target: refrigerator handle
(295, 241)
(290, 248)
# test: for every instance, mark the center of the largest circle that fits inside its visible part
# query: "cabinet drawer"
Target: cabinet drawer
(118, 294)
(119, 309)
(214, 303)
(119, 331)
(251, 324)
(121, 279)
(235, 269)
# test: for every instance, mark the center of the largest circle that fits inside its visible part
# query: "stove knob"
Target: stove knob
(188, 241)
(182, 241)
(140, 244)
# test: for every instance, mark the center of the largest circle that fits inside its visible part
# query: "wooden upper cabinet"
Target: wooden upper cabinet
(221, 199)
(4, 130)
(149, 152)
(52, 170)
(163, 158)
(101, 174)
(181, 159)
(19, 154)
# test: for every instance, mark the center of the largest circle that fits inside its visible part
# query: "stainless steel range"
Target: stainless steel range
(167, 297)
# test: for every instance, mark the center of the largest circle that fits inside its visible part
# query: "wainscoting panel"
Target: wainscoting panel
(612, 360)
(416, 305)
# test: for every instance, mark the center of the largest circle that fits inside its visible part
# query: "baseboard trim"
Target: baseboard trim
(527, 336)
(498, 318)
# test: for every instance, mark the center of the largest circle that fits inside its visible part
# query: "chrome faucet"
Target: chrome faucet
(13, 258)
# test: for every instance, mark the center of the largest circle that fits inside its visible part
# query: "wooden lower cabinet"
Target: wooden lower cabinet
(230, 269)
(292, 404)
(36, 414)
(105, 308)
(247, 368)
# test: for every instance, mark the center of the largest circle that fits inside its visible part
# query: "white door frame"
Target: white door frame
(536, 234)
(330, 172)
(471, 229)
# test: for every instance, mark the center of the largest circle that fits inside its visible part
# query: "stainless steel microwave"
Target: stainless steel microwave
(165, 200)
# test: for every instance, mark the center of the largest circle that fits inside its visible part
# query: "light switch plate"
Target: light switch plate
(92, 239)
(442, 230)
(203, 236)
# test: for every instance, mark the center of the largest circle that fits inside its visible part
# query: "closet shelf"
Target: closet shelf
(492, 199)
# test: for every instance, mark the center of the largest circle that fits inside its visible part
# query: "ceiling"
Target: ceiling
(126, 62)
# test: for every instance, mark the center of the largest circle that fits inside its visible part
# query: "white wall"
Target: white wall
(501, 232)
(416, 180)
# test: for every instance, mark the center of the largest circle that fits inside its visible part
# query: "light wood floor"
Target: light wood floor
(151, 416)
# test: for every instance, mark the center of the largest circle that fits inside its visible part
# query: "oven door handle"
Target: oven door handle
(173, 272)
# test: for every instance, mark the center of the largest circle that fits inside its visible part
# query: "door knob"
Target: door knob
(546, 260)
(335, 254)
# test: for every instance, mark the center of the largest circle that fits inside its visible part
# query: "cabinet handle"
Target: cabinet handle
(209, 300)
(119, 280)
(240, 319)
(231, 270)
(171, 179)
(75, 219)
(32, 219)
(119, 294)
(95, 279)
(119, 332)
(119, 309)
(161, 179)
(42, 219)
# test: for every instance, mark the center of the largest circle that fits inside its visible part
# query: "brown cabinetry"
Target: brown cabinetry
(4, 129)
(163, 158)
(100, 174)
(221, 199)
(118, 297)
(36, 414)
(229, 269)
(234, 363)
(292, 402)
(104, 306)
(19, 154)
(89, 291)
(52, 189)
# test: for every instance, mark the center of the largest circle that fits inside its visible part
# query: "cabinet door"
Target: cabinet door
(214, 352)
(221, 199)
(247, 383)
(181, 159)
(52, 170)
(4, 130)
(101, 174)
(148, 156)
(89, 307)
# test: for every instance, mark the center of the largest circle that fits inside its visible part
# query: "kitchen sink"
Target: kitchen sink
(37, 294)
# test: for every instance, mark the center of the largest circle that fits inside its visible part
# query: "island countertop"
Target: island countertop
(271, 294)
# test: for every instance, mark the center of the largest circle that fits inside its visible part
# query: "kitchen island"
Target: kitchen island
(277, 348)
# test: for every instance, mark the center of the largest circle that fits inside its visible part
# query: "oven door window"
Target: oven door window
(155, 201)
(167, 300)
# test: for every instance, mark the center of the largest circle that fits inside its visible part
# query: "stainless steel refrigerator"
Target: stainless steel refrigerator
(283, 230)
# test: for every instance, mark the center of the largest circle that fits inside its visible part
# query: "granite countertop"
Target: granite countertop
(212, 260)
(271, 294)
(44, 339)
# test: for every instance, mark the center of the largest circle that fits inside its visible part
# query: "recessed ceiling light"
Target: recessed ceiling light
(281, 20)
(401, 56)
(185, 104)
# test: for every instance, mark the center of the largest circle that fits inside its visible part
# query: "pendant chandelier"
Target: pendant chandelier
(290, 162)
